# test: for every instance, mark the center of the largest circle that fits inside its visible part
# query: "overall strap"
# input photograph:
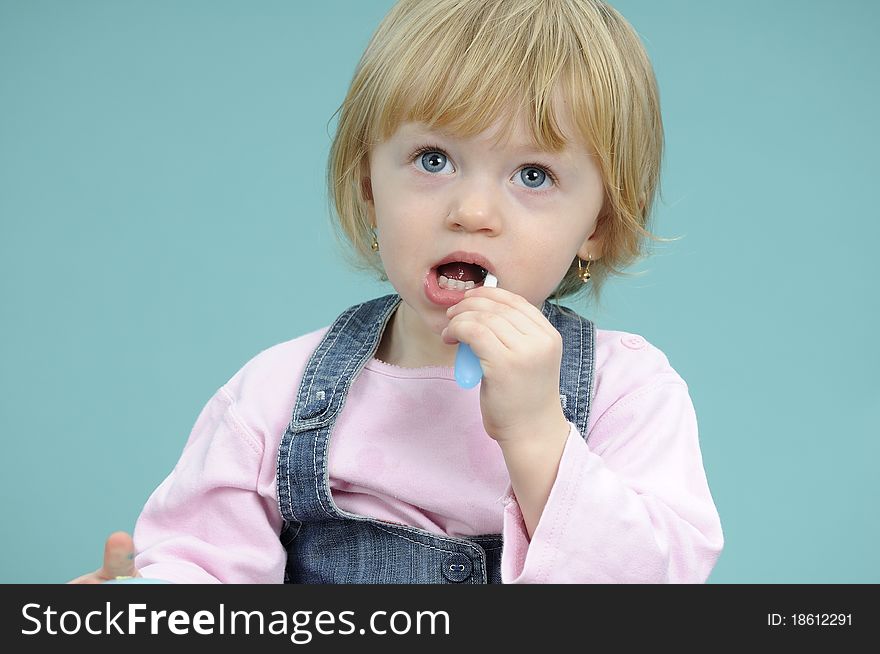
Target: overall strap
(337, 361)
(578, 366)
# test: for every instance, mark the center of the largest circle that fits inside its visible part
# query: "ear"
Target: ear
(591, 248)
(367, 198)
(367, 190)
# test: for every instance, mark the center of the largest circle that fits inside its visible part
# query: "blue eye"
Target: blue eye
(434, 161)
(534, 175)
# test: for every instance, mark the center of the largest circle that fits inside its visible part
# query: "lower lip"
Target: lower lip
(442, 296)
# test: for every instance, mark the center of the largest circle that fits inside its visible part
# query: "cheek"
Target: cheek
(400, 205)
(547, 264)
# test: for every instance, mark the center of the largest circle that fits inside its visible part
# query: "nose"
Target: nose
(476, 205)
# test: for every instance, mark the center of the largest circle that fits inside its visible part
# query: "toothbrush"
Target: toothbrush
(468, 372)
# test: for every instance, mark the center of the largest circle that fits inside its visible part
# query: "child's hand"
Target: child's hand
(118, 561)
(520, 353)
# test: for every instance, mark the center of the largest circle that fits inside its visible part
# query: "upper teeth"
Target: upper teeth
(455, 284)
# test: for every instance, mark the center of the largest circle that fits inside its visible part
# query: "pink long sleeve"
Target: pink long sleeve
(633, 506)
(214, 518)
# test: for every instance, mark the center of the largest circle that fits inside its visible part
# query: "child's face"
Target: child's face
(501, 203)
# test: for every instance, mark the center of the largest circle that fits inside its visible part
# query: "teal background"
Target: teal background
(162, 194)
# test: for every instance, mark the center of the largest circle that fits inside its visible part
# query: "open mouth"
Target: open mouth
(459, 276)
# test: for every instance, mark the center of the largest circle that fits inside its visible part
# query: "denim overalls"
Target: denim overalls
(326, 545)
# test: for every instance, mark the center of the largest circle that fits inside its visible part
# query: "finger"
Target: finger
(118, 557)
(509, 298)
(513, 315)
(488, 334)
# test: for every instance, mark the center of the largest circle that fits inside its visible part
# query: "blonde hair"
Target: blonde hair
(463, 65)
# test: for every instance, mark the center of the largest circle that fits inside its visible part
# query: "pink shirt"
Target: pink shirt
(630, 505)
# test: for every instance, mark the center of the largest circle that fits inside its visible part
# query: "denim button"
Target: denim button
(457, 567)
(633, 342)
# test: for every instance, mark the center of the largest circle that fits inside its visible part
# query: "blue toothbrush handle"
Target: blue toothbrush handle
(468, 372)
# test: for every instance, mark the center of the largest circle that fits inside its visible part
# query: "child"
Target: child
(518, 137)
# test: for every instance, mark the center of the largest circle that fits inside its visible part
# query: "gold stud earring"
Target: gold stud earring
(375, 244)
(584, 273)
